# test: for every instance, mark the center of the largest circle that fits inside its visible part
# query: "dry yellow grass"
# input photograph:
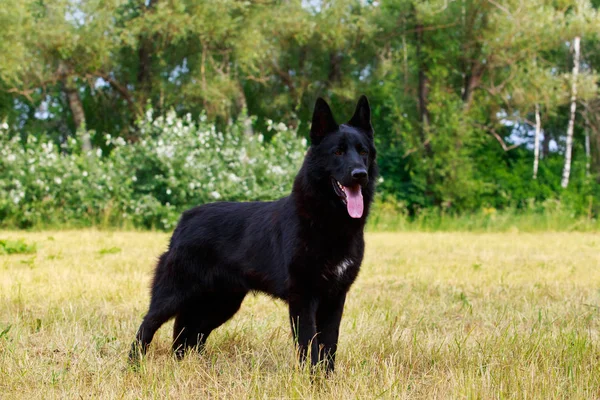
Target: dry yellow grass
(432, 315)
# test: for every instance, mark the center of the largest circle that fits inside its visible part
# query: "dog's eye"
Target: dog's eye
(364, 152)
(339, 152)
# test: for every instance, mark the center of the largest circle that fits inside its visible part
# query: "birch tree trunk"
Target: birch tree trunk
(567, 169)
(587, 152)
(536, 143)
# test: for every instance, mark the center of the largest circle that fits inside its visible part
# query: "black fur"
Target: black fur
(304, 249)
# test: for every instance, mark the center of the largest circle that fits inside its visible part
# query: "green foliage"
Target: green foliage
(453, 88)
(18, 246)
(175, 164)
(547, 216)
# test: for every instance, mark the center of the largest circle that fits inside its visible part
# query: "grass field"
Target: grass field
(432, 315)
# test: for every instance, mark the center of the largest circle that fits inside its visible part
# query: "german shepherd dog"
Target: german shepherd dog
(305, 249)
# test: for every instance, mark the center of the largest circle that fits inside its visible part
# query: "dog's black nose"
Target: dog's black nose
(359, 174)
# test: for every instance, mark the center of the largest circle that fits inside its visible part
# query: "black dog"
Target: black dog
(305, 249)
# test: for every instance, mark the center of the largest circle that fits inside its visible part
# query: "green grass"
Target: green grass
(386, 218)
(17, 246)
(550, 216)
(432, 315)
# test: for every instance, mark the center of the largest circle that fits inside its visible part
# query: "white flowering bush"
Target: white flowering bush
(174, 163)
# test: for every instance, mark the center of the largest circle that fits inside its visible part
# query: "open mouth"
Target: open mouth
(351, 196)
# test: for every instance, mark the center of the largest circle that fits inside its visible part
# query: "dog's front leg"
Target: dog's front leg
(304, 328)
(329, 316)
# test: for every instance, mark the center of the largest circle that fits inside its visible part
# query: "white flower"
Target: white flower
(57, 180)
(281, 127)
(234, 178)
(380, 180)
(168, 191)
(170, 117)
(4, 125)
(99, 152)
(134, 178)
(192, 185)
(84, 173)
(11, 157)
(277, 170)
(304, 142)
(215, 195)
(16, 198)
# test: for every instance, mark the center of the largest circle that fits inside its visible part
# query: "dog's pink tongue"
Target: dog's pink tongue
(354, 200)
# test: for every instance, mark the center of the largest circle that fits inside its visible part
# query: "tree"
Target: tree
(460, 89)
(536, 148)
(57, 46)
(567, 169)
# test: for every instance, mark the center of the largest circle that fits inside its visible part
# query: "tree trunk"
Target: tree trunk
(242, 109)
(546, 144)
(587, 152)
(423, 81)
(591, 114)
(472, 54)
(335, 68)
(405, 63)
(144, 76)
(72, 93)
(472, 81)
(595, 150)
(536, 142)
(568, 150)
(423, 95)
(145, 50)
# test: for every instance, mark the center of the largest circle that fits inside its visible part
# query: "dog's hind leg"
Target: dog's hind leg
(200, 316)
(159, 313)
(165, 302)
(186, 330)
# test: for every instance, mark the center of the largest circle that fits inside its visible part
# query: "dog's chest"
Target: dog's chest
(340, 269)
(335, 258)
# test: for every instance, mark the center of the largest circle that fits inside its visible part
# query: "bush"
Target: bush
(174, 163)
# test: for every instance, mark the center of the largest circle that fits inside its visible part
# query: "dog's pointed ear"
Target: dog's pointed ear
(322, 122)
(362, 116)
